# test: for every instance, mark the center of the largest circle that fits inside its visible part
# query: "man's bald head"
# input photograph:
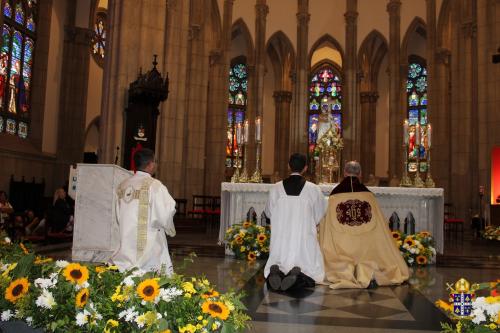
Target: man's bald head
(352, 169)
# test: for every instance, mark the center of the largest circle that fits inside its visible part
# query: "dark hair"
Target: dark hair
(143, 157)
(4, 193)
(297, 162)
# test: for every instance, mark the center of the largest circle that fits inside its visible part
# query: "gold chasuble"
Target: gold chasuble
(357, 244)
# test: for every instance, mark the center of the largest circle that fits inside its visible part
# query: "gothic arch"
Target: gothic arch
(240, 28)
(282, 55)
(325, 40)
(444, 26)
(417, 26)
(215, 24)
(371, 53)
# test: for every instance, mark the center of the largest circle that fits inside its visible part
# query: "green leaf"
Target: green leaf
(23, 266)
(228, 328)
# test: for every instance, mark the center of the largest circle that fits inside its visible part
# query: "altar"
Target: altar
(426, 205)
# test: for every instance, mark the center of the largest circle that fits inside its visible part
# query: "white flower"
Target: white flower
(61, 263)
(82, 286)
(81, 319)
(45, 300)
(410, 260)
(138, 273)
(129, 314)
(478, 316)
(170, 293)
(140, 321)
(29, 321)
(7, 240)
(6, 315)
(128, 281)
(44, 283)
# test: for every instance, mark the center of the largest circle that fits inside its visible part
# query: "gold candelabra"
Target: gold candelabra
(429, 182)
(405, 180)
(257, 176)
(236, 175)
(417, 182)
(244, 174)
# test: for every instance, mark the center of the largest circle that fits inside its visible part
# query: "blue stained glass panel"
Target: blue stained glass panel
(423, 116)
(240, 116)
(421, 84)
(233, 84)
(7, 9)
(230, 117)
(313, 128)
(19, 13)
(240, 71)
(5, 39)
(413, 99)
(337, 120)
(16, 52)
(336, 106)
(28, 50)
(423, 100)
(413, 116)
(314, 105)
(414, 70)
(30, 23)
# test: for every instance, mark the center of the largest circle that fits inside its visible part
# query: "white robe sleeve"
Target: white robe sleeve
(163, 209)
(319, 204)
(271, 201)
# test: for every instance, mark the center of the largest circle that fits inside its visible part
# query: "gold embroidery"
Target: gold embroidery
(143, 216)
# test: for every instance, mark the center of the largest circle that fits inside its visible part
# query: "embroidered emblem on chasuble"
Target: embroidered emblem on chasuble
(354, 212)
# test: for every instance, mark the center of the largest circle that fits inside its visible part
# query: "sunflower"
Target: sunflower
(76, 273)
(246, 224)
(421, 260)
(396, 235)
(82, 297)
(209, 294)
(251, 256)
(238, 240)
(148, 289)
(424, 234)
(409, 241)
(215, 309)
(16, 289)
(261, 238)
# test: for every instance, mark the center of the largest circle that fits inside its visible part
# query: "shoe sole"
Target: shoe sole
(288, 282)
(275, 281)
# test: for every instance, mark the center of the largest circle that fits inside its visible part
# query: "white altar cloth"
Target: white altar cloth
(426, 205)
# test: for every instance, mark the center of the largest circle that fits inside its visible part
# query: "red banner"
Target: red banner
(495, 175)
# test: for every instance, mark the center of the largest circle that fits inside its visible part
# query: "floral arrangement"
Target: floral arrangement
(249, 241)
(59, 296)
(492, 233)
(416, 249)
(485, 313)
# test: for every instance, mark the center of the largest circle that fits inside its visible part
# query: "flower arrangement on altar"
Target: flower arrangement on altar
(416, 249)
(492, 233)
(249, 241)
(472, 314)
(59, 296)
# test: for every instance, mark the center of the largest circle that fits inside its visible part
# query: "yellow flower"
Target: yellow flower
(492, 299)
(110, 324)
(82, 297)
(215, 309)
(396, 235)
(148, 289)
(251, 256)
(498, 318)
(76, 273)
(229, 305)
(409, 240)
(424, 234)
(17, 289)
(238, 240)
(117, 296)
(100, 269)
(214, 326)
(25, 250)
(166, 331)
(40, 261)
(9, 269)
(243, 249)
(261, 238)
(187, 295)
(421, 260)
(443, 305)
(188, 287)
(211, 293)
(246, 224)
(189, 328)
(492, 326)
(229, 230)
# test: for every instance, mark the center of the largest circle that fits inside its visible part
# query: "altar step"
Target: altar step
(491, 262)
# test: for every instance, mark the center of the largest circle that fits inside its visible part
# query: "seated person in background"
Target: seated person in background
(32, 222)
(356, 241)
(295, 207)
(5, 209)
(60, 213)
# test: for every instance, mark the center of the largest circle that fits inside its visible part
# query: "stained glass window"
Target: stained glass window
(416, 92)
(99, 38)
(325, 102)
(16, 64)
(237, 102)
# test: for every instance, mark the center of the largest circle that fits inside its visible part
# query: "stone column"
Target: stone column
(431, 57)
(396, 115)
(215, 148)
(136, 31)
(282, 100)
(298, 129)
(352, 119)
(368, 135)
(73, 95)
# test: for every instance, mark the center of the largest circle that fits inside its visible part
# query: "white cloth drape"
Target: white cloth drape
(161, 211)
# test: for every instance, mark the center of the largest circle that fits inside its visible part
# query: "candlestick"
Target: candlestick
(429, 131)
(238, 134)
(246, 132)
(258, 129)
(405, 132)
(244, 174)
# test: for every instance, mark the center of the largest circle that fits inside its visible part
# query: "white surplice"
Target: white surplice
(144, 245)
(294, 239)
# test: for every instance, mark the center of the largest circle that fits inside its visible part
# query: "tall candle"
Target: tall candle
(258, 130)
(246, 131)
(238, 134)
(405, 132)
(417, 134)
(429, 132)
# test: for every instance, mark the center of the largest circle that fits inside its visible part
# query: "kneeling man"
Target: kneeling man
(356, 241)
(295, 208)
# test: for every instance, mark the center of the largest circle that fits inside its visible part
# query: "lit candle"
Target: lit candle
(417, 134)
(246, 131)
(429, 132)
(258, 129)
(405, 132)
(238, 134)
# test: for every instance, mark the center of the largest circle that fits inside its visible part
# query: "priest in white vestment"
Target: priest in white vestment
(145, 212)
(295, 207)
(355, 239)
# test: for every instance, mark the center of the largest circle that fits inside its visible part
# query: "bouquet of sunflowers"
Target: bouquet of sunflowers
(248, 241)
(484, 316)
(492, 233)
(416, 249)
(59, 296)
